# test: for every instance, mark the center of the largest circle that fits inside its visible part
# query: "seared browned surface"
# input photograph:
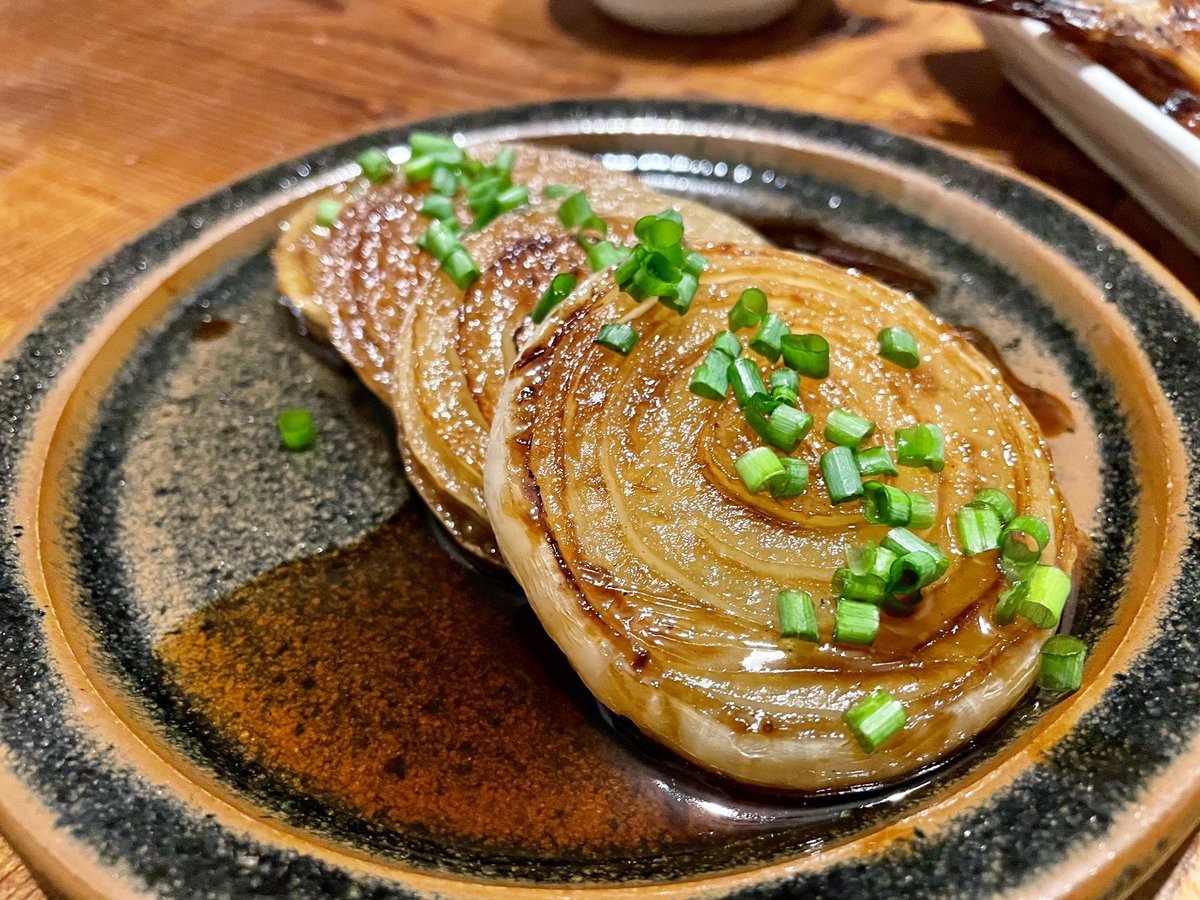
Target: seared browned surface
(112, 115)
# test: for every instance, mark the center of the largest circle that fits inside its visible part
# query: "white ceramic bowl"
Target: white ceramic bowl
(696, 16)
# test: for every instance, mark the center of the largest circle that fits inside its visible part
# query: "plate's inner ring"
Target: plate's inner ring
(181, 502)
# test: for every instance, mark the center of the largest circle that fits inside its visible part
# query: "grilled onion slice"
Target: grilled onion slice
(613, 497)
(455, 346)
(353, 281)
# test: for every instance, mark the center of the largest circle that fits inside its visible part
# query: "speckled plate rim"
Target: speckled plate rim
(1025, 210)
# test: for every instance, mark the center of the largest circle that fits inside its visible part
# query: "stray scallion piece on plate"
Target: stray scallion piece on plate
(766, 342)
(921, 446)
(727, 342)
(840, 472)
(1023, 539)
(1063, 657)
(1047, 594)
(793, 482)
(875, 719)
(855, 622)
(807, 354)
(845, 428)
(710, 379)
(778, 424)
(296, 429)
(978, 529)
(757, 467)
(328, 211)
(875, 461)
(887, 505)
(746, 380)
(618, 337)
(797, 616)
(899, 346)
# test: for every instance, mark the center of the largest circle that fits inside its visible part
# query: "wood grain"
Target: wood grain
(112, 114)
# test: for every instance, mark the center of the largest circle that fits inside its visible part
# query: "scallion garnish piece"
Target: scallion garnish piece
(921, 445)
(1009, 602)
(439, 240)
(618, 337)
(794, 481)
(437, 206)
(797, 616)
(443, 181)
(559, 289)
(845, 428)
(603, 254)
(1024, 539)
(776, 423)
(999, 502)
(766, 341)
(727, 342)
(1048, 591)
(875, 719)
(710, 380)
(460, 267)
(886, 505)
(1063, 657)
(375, 165)
(913, 572)
(511, 197)
(922, 511)
(750, 309)
(855, 622)
(785, 387)
(575, 211)
(296, 429)
(758, 466)
(808, 354)
(840, 472)
(871, 559)
(418, 168)
(865, 586)
(504, 160)
(554, 191)
(978, 529)
(899, 346)
(746, 380)
(901, 541)
(328, 211)
(875, 461)
(436, 147)
(660, 232)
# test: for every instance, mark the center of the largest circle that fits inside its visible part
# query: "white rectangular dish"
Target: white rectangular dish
(1154, 157)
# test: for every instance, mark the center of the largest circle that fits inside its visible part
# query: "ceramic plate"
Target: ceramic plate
(230, 670)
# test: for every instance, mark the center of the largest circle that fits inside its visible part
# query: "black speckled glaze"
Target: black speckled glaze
(1069, 798)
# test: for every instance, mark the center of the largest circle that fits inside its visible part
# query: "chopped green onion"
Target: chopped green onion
(776, 423)
(443, 181)
(808, 354)
(504, 160)
(841, 475)
(912, 572)
(900, 347)
(1024, 539)
(559, 289)
(746, 380)
(419, 168)
(1063, 657)
(875, 719)
(901, 541)
(575, 210)
(659, 232)
(554, 191)
(921, 445)
(695, 263)
(375, 165)
(886, 505)
(1009, 602)
(922, 511)
(296, 429)
(871, 559)
(710, 380)
(794, 481)
(603, 254)
(756, 467)
(845, 428)
(728, 343)
(436, 147)
(512, 197)
(618, 337)
(437, 206)
(785, 379)
(460, 267)
(1048, 591)
(750, 309)
(978, 529)
(875, 461)
(766, 341)
(797, 616)
(865, 586)
(999, 502)
(680, 297)
(855, 622)
(483, 191)
(328, 211)
(439, 240)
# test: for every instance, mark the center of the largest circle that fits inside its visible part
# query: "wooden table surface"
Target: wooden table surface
(112, 114)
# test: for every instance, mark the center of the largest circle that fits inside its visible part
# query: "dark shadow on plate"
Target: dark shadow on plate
(811, 23)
